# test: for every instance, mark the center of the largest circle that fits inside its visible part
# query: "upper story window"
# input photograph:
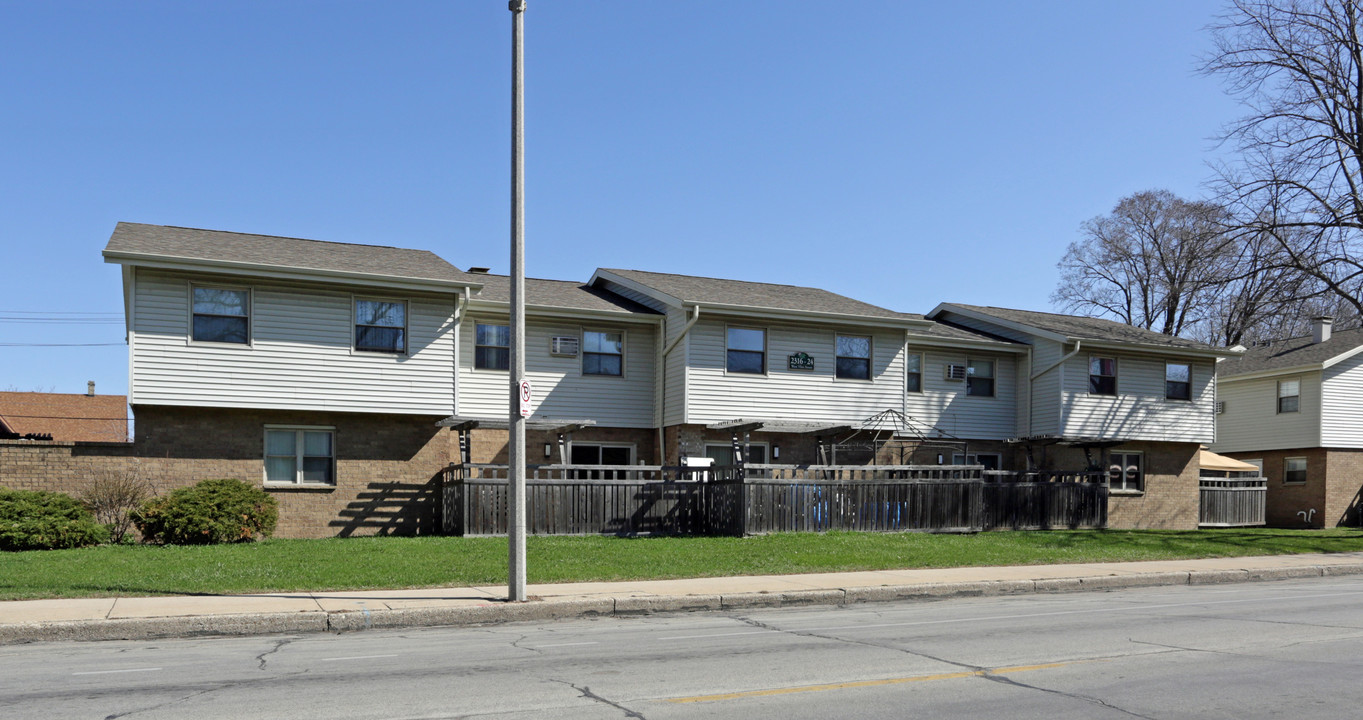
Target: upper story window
(1125, 472)
(1289, 396)
(221, 315)
(1178, 381)
(979, 378)
(381, 326)
(913, 372)
(1102, 376)
(747, 350)
(854, 357)
(603, 353)
(301, 455)
(492, 347)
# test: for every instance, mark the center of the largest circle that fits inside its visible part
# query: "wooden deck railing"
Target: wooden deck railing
(1232, 502)
(639, 499)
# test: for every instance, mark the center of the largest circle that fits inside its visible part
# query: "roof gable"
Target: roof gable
(566, 294)
(1074, 327)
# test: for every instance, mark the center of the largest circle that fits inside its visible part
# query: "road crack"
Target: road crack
(586, 692)
(278, 645)
(1005, 680)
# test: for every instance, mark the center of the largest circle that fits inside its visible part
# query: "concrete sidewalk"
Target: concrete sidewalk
(181, 616)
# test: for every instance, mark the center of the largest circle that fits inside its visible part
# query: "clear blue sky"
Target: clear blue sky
(902, 153)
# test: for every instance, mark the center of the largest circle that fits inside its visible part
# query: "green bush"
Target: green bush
(211, 511)
(31, 520)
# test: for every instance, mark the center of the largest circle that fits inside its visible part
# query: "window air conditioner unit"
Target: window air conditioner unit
(955, 372)
(1220, 407)
(563, 345)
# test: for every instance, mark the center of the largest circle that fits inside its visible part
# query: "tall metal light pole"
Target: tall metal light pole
(516, 431)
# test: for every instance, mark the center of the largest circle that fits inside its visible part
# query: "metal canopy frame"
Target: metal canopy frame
(881, 429)
(1087, 444)
(564, 428)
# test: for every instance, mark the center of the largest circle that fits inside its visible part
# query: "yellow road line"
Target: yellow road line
(867, 683)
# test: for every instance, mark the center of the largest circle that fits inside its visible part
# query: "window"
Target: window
(1178, 381)
(990, 461)
(1294, 470)
(913, 372)
(747, 351)
(492, 347)
(302, 456)
(221, 315)
(1124, 472)
(854, 357)
(603, 353)
(979, 378)
(381, 326)
(1102, 376)
(1289, 396)
(594, 454)
(724, 454)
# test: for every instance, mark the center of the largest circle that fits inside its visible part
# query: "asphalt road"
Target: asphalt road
(1281, 649)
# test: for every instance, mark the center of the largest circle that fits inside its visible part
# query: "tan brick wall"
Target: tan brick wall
(1170, 498)
(1344, 486)
(1283, 501)
(386, 465)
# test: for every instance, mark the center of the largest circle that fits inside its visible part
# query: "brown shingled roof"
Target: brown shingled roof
(692, 289)
(193, 244)
(559, 294)
(68, 418)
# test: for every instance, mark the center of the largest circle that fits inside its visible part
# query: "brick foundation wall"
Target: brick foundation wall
(1344, 486)
(1331, 487)
(386, 465)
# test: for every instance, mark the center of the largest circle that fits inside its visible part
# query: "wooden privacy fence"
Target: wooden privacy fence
(1231, 502)
(635, 499)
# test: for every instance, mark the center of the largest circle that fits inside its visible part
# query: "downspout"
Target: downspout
(460, 303)
(662, 380)
(1061, 418)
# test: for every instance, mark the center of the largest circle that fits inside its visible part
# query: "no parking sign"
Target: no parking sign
(525, 395)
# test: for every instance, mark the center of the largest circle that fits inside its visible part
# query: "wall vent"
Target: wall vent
(563, 345)
(955, 372)
(1220, 407)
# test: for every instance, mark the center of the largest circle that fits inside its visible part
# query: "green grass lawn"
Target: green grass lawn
(391, 562)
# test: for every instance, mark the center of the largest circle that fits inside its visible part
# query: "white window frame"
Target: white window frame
(583, 352)
(1278, 401)
(993, 376)
(1116, 374)
(870, 357)
(476, 323)
(1304, 467)
(766, 449)
(298, 446)
(964, 459)
(250, 314)
(922, 360)
(766, 354)
(355, 325)
(1190, 382)
(1125, 488)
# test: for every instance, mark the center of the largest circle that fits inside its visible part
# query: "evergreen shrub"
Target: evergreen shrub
(208, 512)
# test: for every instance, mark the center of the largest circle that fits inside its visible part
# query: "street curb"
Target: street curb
(629, 605)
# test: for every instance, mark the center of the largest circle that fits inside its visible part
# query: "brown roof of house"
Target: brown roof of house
(69, 418)
(1086, 328)
(1292, 352)
(692, 289)
(193, 244)
(559, 294)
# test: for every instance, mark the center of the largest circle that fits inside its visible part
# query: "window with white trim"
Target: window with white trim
(913, 372)
(603, 353)
(220, 315)
(746, 350)
(723, 454)
(1294, 470)
(300, 456)
(492, 347)
(979, 378)
(1126, 471)
(1178, 381)
(1289, 396)
(853, 359)
(1102, 376)
(381, 326)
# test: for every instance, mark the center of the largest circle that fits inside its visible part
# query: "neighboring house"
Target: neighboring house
(64, 417)
(1295, 408)
(330, 372)
(1099, 393)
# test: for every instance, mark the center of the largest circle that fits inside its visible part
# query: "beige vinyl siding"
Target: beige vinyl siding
(1139, 410)
(300, 356)
(1341, 422)
(714, 395)
(674, 369)
(1045, 412)
(1252, 421)
(561, 390)
(943, 403)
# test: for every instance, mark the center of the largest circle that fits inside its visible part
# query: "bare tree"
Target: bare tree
(1298, 67)
(1157, 261)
